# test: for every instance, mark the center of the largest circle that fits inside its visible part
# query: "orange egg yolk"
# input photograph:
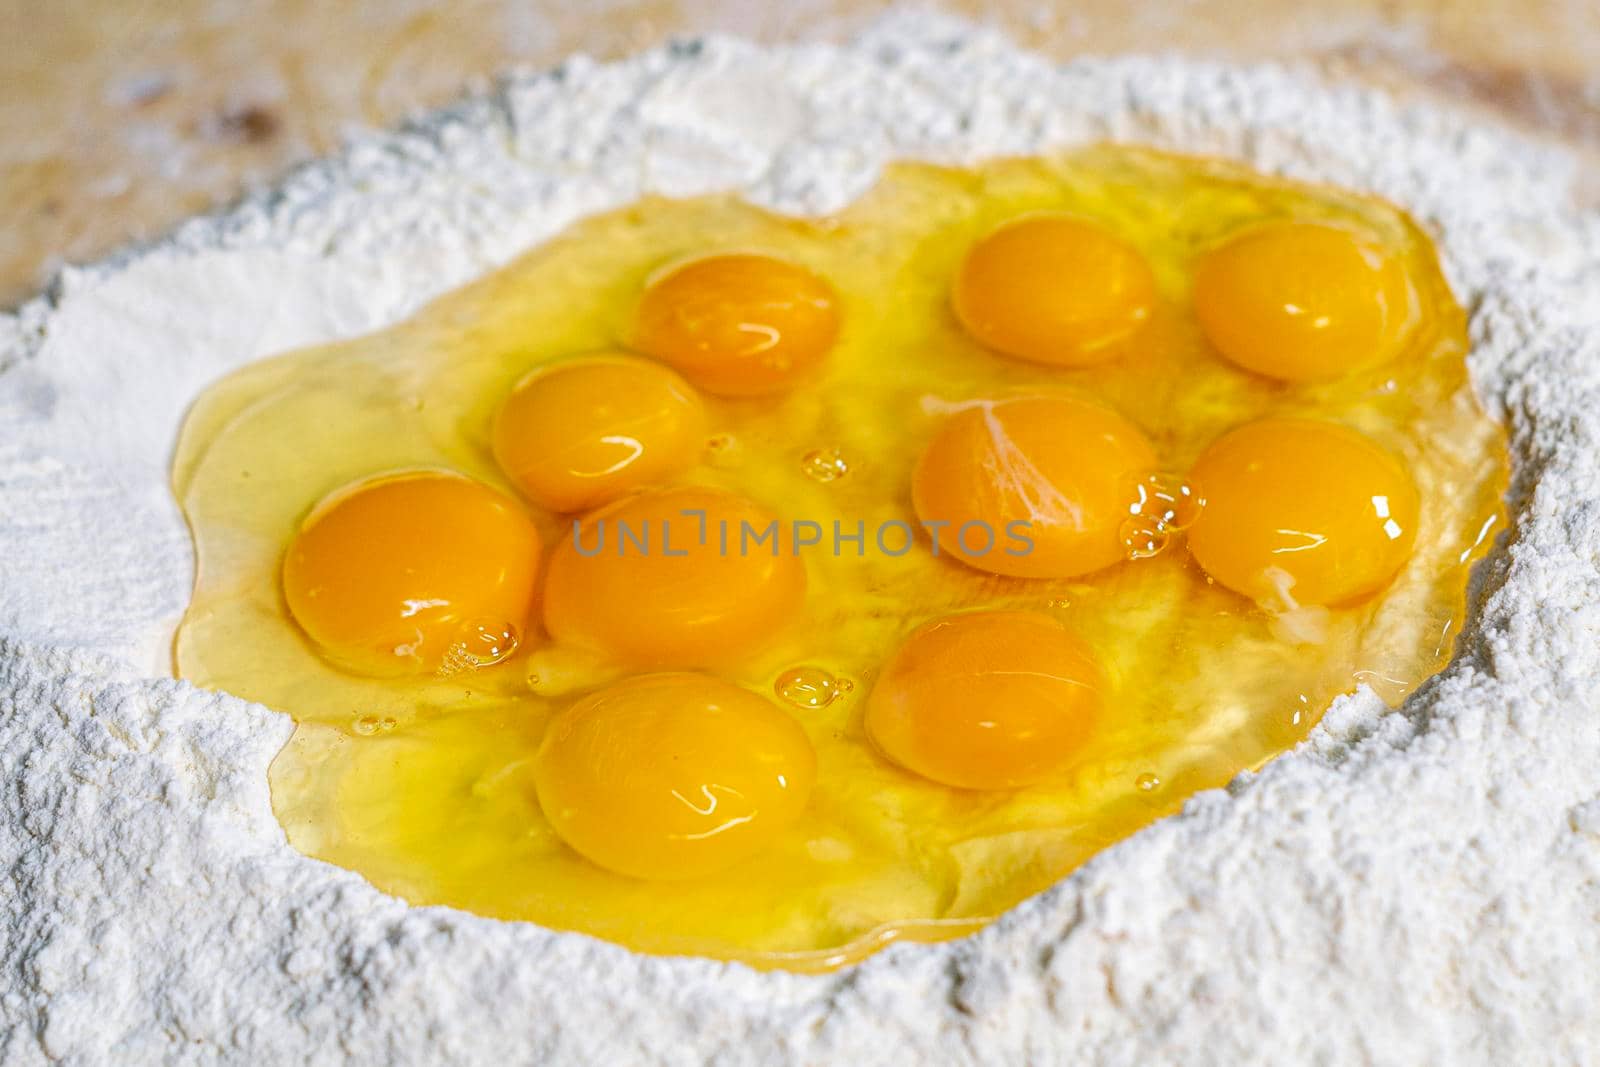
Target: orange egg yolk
(1302, 513)
(1059, 578)
(413, 572)
(672, 776)
(1053, 289)
(738, 325)
(988, 700)
(1035, 488)
(580, 434)
(689, 577)
(1303, 301)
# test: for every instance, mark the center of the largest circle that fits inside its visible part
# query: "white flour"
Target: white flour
(1405, 888)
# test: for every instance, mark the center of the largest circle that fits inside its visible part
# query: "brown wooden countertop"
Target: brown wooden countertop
(117, 119)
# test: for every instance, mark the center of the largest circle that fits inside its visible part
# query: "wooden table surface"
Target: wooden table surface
(120, 117)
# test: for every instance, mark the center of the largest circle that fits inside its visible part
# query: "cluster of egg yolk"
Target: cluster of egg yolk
(679, 774)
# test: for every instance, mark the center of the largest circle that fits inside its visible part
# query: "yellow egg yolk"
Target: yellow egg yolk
(672, 776)
(1304, 301)
(958, 772)
(413, 572)
(687, 577)
(1302, 513)
(738, 325)
(579, 434)
(987, 700)
(1053, 289)
(1035, 488)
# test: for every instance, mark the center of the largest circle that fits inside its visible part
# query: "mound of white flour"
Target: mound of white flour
(1420, 886)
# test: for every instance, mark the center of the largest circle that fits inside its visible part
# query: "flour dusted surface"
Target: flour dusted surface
(1417, 886)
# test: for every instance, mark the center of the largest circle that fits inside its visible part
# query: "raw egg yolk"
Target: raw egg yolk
(413, 572)
(1053, 289)
(988, 700)
(1302, 301)
(1034, 488)
(738, 325)
(670, 776)
(1302, 513)
(689, 577)
(580, 434)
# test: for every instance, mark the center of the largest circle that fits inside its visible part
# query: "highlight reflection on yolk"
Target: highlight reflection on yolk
(411, 572)
(1304, 301)
(988, 700)
(1059, 471)
(580, 434)
(1053, 289)
(674, 578)
(1301, 513)
(672, 776)
(738, 325)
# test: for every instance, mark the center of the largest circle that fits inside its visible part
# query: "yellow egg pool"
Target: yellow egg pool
(771, 589)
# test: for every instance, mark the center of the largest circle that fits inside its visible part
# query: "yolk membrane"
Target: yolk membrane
(1037, 487)
(1304, 301)
(671, 776)
(689, 577)
(1053, 289)
(738, 324)
(413, 572)
(987, 700)
(1302, 513)
(576, 435)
